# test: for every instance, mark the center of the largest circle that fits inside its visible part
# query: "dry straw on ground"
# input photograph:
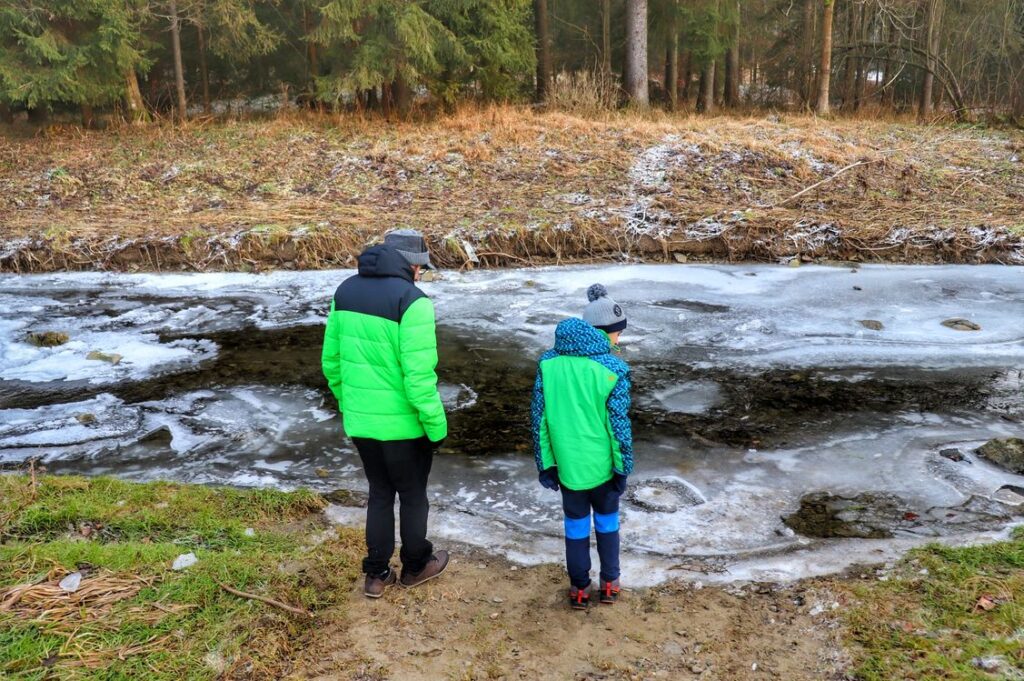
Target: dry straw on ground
(510, 186)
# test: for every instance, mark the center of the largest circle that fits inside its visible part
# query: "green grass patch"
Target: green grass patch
(943, 613)
(163, 624)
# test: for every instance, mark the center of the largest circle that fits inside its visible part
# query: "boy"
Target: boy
(582, 438)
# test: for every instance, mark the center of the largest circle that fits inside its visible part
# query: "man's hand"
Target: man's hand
(549, 478)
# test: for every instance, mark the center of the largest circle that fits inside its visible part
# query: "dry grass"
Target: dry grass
(516, 185)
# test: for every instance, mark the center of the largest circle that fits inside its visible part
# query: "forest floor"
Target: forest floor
(941, 613)
(509, 186)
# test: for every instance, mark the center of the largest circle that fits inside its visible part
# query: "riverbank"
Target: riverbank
(508, 187)
(941, 613)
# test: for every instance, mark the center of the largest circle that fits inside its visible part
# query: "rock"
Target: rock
(322, 473)
(112, 357)
(1011, 495)
(71, 582)
(161, 435)
(1006, 452)
(795, 262)
(864, 516)
(346, 497)
(664, 495)
(952, 453)
(681, 258)
(857, 288)
(961, 324)
(183, 561)
(86, 419)
(428, 276)
(249, 532)
(46, 339)
(872, 324)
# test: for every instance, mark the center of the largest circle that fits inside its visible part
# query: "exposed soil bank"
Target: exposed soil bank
(508, 187)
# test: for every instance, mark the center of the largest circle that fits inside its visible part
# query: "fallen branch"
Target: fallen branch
(827, 180)
(264, 599)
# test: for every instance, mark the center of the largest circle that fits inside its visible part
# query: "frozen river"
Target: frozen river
(756, 387)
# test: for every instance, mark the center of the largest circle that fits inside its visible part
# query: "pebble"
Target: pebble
(494, 615)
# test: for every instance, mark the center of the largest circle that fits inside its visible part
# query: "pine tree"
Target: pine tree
(75, 52)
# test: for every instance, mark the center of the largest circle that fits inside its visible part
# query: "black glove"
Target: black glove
(619, 483)
(549, 478)
(434, 446)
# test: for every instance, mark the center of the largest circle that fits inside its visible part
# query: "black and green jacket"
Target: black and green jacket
(380, 352)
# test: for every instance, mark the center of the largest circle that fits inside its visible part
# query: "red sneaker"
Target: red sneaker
(609, 592)
(579, 599)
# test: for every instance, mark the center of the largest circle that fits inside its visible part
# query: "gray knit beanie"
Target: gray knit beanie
(603, 312)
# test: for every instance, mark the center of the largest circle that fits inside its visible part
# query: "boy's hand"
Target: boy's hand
(549, 478)
(619, 483)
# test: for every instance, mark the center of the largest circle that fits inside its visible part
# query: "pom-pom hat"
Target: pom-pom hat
(603, 312)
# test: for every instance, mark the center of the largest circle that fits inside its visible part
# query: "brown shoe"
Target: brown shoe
(435, 566)
(375, 584)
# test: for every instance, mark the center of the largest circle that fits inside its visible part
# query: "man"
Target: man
(379, 357)
(583, 441)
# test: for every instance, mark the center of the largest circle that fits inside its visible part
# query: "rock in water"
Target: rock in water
(952, 453)
(1005, 452)
(46, 339)
(961, 324)
(664, 495)
(865, 516)
(872, 324)
(112, 357)
(322, 473)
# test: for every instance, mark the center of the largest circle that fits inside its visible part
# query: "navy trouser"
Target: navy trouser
(402, 467)
(578, 504)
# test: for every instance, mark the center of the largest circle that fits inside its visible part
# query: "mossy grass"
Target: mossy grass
(940, 614)
(180, 624)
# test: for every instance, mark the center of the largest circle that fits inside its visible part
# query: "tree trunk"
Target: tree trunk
(137, 112)
(685, 68)
(540, 11)
(5, 113)
(636, 52)
(181, 110)
(863, 64)
(402, 95)
(933, 18)
(850, 64)
(807, 52)
(706, 96)
(720, 81)
(203, 71)
(606, 35)
(732, 65)
(825, 70)
(88, 116)
(672, 67)
(38, 115)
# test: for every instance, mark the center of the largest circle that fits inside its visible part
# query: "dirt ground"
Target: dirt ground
(509, 186)
(487, 619)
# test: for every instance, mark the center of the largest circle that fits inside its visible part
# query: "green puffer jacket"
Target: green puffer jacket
(380, 352)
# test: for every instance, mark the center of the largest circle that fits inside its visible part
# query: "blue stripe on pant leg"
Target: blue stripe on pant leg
(577, 550)
(576, 505)
(605, 501)
(606, 522)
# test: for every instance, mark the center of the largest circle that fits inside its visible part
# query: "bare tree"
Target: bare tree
(181, 110)
(544, 69)
(732, 63)
(825, 70)
(806, 60)
(933, 19)
(672, 59)
(636, 52)
(606, 35)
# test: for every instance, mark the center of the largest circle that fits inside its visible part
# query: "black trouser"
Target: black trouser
(400, 466)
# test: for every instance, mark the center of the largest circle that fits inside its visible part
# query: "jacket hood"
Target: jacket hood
(384, 261)
(577, 338)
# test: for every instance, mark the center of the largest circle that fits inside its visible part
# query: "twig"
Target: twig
(264, 599)
(827, 179)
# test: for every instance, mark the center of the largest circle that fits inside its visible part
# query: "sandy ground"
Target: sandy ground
(487, 619)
